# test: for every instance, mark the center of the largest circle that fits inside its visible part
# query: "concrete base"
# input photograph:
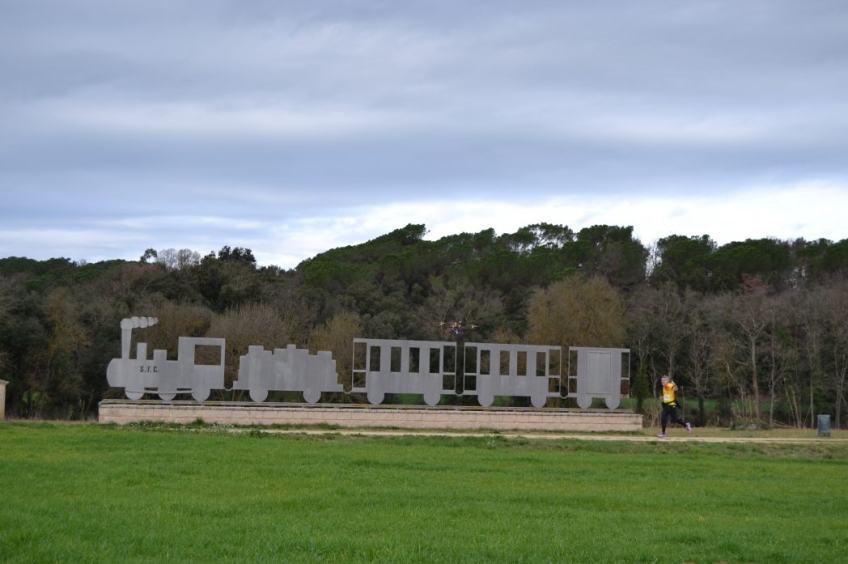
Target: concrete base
(343, 415)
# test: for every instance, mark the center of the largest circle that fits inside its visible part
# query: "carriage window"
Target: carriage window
(414, 358)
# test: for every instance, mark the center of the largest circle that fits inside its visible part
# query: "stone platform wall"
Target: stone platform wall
(456, 418)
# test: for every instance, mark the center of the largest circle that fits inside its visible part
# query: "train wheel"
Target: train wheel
(584, 401)
(432, 398)
(258, 395)
(134, 395)
(376, 398)
(613, 403)
(312, 396)
(539, 400)
(167, 396)
(485, 399)
(200, 394)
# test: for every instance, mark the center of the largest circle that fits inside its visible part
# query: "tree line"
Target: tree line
(753, 331)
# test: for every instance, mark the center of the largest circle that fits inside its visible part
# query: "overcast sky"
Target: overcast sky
(295, 127)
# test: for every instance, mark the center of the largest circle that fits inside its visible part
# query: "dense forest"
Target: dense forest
(753, 331)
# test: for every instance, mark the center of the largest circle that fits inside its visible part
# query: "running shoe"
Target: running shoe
(688, 427)
(661, 435)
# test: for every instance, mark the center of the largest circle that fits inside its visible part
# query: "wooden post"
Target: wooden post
(3, 399)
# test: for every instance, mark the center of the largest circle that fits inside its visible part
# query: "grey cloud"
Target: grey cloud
(276, 109)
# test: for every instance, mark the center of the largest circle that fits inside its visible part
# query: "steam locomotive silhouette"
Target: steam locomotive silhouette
(260, 371)
(380, 366)
(167, 378)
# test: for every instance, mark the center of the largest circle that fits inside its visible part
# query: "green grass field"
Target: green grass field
(89, 493)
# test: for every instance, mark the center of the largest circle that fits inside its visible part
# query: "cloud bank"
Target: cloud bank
(292, 127)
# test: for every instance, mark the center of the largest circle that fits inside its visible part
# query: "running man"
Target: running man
(669, 406)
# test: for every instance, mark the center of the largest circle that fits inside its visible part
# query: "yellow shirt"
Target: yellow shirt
(668, 393)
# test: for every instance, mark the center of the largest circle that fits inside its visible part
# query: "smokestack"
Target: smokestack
(127, 325)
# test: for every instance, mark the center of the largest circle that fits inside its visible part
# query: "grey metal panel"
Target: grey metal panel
(598, 375)
(515, 382)
(287, 370)
(381, 378)
(256, 373)
(164, 378)
(598, 363)
(199, 379)
(427, 380)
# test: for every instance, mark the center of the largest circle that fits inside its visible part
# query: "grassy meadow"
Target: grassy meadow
(90, 493)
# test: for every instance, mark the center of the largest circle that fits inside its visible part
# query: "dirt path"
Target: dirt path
(682, 437)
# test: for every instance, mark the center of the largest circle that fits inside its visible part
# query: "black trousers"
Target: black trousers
(670, 410)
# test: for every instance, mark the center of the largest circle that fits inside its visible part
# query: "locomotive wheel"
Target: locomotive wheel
(312, 396)
(258, 395)
(167, 396)
(539, 401)
(432, 398)
(134, 395)
(200, 394)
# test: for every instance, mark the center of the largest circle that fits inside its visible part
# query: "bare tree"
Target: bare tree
(299, 314)
(792, 353)
(836, 319)
(724, 358)
(461, 302)
(640, 338)
(167, 258)
(187, 258)
(749, 314)
(337, 337)
(173, 259)
(672, 325)
(700, 355)
(811, 309)
(780, 347)
(577, 312)
(254, 324)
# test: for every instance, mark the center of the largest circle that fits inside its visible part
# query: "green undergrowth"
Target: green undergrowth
(200, 493)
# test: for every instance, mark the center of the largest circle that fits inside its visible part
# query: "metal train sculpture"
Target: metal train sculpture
(167, 378)
(380, 366)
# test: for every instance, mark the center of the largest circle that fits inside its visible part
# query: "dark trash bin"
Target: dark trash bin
(824, 425)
